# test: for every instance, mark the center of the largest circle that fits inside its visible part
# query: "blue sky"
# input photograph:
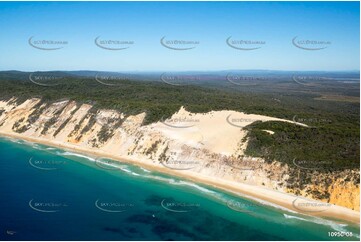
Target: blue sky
(209, 23)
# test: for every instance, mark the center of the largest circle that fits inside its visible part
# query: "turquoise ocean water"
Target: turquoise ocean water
(53, 194)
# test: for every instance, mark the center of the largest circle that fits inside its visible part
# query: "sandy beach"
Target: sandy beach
(288, 201)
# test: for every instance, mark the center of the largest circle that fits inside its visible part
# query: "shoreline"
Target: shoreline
(284, 200)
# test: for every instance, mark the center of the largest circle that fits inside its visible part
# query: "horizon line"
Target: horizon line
(220, 70)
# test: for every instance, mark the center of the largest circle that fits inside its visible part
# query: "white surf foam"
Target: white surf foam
(144, 170)
(168, 180)
(126, 170)
(130, 172)
(36, 146)
(265, 203)
(294, 217)
(114, 165)
(334, 225)
(184, 183)
(74, 154)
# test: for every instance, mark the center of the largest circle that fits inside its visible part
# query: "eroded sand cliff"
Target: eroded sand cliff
(210, 144)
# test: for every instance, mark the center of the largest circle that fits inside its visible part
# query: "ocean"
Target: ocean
(53, 194)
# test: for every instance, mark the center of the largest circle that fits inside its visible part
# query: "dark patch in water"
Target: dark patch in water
(132, 230)
(155, 200)
(166, 230)
(114, 230)
(127, 233)
(142, 218)
(174, 226)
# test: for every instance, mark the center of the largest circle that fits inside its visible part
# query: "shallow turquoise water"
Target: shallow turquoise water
(53, 194)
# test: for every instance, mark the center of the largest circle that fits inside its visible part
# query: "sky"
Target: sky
(270, 26)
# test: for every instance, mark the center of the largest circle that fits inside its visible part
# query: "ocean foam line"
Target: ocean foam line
(314, 219)
(126, 170)
(32, 144)
(114, 165)
(25, 142)
(205, 190)
(336, 226)
(18, 141)
(145, 170)
(74, 154)
(9, 138)
(172, 181)
(169, 180)
(217, 195)
(294, 217)
(269, 204)
(103, 163)
(36, 146)
(209, 192)
(130, 172)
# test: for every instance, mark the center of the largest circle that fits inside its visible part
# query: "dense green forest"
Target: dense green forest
(334, 125)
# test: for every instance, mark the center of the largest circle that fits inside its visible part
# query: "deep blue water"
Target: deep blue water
(53, 194)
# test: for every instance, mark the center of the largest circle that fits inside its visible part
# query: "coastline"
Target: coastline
(281, 199)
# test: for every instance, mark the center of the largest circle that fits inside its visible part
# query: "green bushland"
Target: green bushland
(327, 147)
(335, 125)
